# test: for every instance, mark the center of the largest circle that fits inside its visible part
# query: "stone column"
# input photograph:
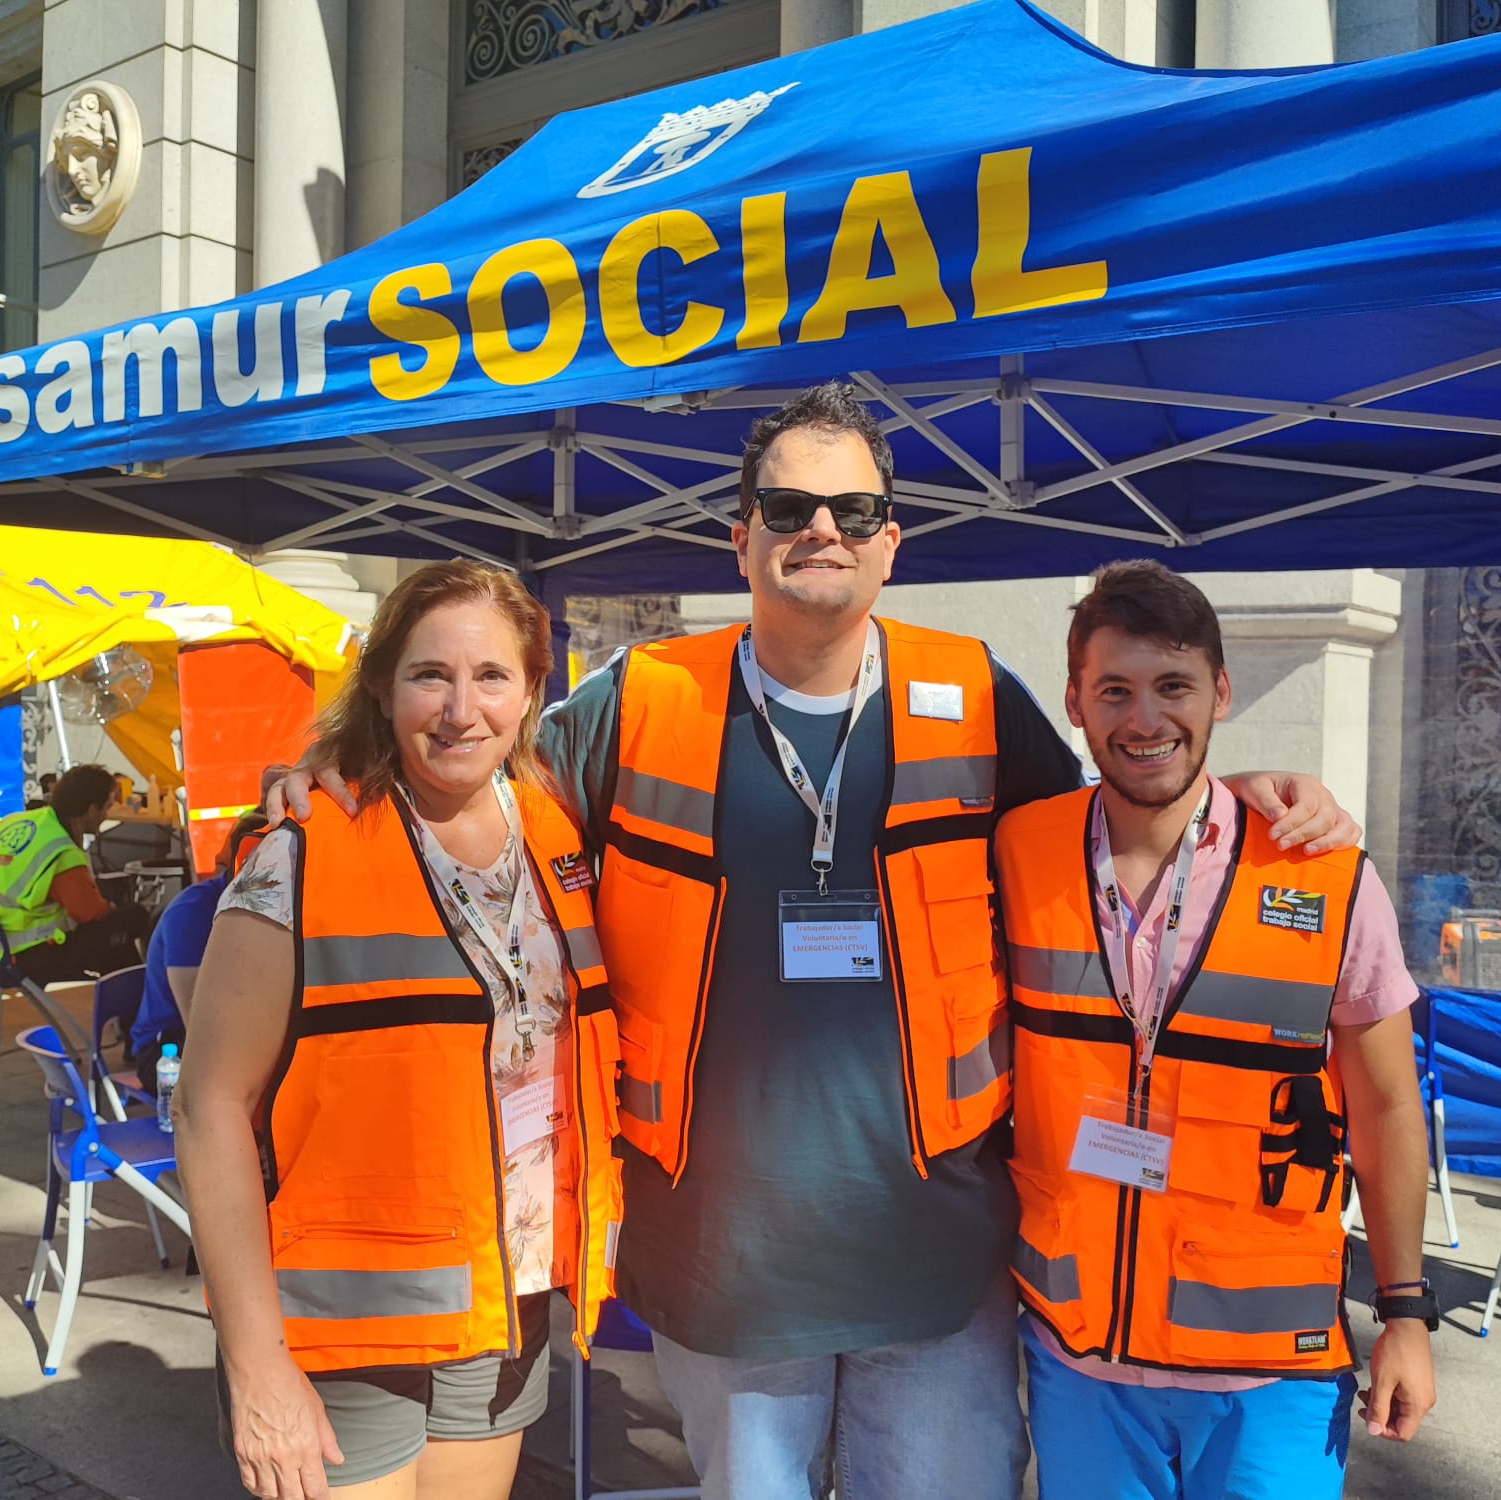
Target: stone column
(811, 23)
(323, 576)
(1300, 649)
(301, 66)
(183, 237)
(1265, 34)
(397, 143)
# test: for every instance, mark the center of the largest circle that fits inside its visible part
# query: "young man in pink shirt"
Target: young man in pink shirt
(1202, 1022)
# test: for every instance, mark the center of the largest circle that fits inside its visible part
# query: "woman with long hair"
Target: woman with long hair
(394, 1123)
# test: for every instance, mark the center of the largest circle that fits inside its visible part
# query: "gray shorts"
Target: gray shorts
(384, 1418)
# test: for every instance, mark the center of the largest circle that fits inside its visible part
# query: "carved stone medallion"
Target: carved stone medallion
(94, 157)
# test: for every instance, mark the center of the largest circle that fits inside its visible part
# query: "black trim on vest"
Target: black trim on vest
(270, 1176)
(593, 999)
(700, 867)
(1070, 1025)
(923, 833)
(394, 1011)
(1269, 1057)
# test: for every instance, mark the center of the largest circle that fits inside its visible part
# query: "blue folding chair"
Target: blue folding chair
(132, 1152)
(117, 998)
(618, 1329)
(1432, 1086)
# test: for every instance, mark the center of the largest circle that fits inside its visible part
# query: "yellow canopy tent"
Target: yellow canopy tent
(66, 596)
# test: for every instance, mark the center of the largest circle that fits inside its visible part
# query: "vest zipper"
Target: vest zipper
(903, 1023)
(497, 1148)
(581, 1304)
(1127, 1221)
(695, 1040)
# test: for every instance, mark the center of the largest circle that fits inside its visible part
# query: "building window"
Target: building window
(503, 36)
(20, 192)
(1464, 18)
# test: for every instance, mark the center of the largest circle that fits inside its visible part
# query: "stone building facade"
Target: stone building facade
(275, 134)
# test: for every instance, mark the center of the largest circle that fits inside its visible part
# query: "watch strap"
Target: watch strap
(1423, 1306)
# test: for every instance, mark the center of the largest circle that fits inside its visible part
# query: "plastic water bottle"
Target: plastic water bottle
(168, 1066)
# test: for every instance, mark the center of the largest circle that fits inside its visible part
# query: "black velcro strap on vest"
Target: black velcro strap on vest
(1070, 1025)
(662, 856)
(396, 1010)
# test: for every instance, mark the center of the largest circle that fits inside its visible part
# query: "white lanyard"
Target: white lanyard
(825, 809)
(1147, 1018)
(508, 953)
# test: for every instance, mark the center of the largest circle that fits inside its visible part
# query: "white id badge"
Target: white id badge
(1107, 1146)
(837, 936)
(531, 1112)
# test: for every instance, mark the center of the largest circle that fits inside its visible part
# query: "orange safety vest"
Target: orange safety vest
(662, 886)
(1238, 1267)
(380, 1128)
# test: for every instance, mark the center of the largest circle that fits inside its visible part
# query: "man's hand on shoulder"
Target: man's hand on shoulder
(1300, 808)
(292, 794)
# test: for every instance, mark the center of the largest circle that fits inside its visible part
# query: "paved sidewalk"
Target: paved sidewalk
(131, 1414)
(25, 1476)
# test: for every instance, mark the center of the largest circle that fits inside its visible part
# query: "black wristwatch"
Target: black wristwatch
(1422, 1304)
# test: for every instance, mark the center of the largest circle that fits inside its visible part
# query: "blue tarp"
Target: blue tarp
(1468, 1047)
(921, 204)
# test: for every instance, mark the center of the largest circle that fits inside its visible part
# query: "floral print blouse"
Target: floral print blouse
(541, 1210)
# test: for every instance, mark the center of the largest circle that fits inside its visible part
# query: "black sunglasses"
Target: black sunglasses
(855, 514)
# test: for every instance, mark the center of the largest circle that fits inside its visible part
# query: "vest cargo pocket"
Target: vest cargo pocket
(1302, 1150)
(1045, 1259)
(1217, 1141)
(349, 1284)
(956, 892)
(641, 1106)
(1238, 1298)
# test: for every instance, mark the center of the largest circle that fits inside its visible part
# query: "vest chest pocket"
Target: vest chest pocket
(1217, 1146)
(956, 893)
(641, 1105)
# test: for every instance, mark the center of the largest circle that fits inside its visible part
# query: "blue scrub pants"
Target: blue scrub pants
(1099, 1441)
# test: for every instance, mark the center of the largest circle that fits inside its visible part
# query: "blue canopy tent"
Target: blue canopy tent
(1238, 320)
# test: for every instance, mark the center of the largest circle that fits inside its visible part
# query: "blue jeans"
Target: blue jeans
(1096, 1440)
(935, 1418)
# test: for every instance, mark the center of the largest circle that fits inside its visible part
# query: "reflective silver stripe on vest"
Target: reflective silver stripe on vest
(1051, 971)
(1057, 1280)
(583, 947)
(33, 937)
(969, 778)
(1256, 1309)
(380, 958)
(978, 1068)
(641, 1099)
(667, 802)
(1286, 1004)
(374, 1294)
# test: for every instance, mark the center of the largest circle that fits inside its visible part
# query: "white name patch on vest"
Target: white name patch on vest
(935, 700)
(1122, 1153)
(532, 1112)
(837, 936)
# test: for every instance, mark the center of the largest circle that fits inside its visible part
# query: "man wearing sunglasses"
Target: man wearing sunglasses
(791, 825)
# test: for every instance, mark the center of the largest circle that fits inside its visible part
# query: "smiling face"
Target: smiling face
(1147, 710)
(456, 701)
(818, 571)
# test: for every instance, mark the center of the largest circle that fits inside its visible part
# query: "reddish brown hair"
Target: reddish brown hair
(355, 733)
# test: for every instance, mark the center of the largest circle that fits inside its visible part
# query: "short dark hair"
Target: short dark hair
(1143, 598)
(832, 407)
(81, 788)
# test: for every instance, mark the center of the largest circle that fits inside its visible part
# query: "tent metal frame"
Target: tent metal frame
(702, 513)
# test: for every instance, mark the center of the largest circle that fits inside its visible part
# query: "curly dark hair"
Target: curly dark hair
(832, 407)
(80, 788)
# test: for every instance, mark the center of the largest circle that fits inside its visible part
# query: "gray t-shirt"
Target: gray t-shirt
(800, 1226)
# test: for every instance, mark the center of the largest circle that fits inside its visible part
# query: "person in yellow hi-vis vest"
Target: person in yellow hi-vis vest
(1203, 1021)
(56, 920)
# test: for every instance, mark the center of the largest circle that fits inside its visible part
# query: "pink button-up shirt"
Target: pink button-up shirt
(1373, 983)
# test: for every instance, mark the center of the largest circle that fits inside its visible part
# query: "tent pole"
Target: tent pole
(65, 753)
(564, 443)
(1012, 401)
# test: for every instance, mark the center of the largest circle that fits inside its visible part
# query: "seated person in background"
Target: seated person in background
(174, 953)
(55, 917)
